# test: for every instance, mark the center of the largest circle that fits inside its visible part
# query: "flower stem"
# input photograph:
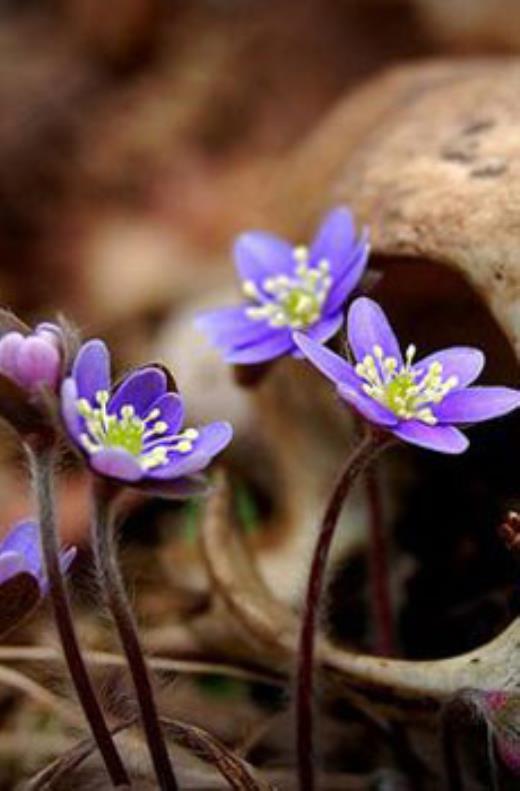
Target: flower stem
(381, 599)
(106, 556)
(371, 444)
(41, 459)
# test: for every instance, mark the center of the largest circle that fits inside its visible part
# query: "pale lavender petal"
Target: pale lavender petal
(212, 440)
(347, 281)
(369, 327)
(11, 563)
(139, 389)
(24, 539)
(330, 364)
(463, 362)
(371, 410)
(335, 238)
(91, 369)
(38, 363)
(279, 342)
(230, 327)
(10, 345)
(171, 411)
(74, 423)
(445, 439)
(116, 463)
(474, 404)
(259, 255)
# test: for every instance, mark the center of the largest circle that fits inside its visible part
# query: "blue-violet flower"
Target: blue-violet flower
(133, 433)
(20, 553)
(420, 402)
(288, 289)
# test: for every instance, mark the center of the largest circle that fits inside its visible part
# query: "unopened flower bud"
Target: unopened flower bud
(32, 361)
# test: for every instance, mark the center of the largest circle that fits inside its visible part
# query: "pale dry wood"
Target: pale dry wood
(428, 155)
(398, 689)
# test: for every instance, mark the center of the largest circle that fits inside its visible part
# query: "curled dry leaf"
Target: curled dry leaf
(398, 689)
(19, 595)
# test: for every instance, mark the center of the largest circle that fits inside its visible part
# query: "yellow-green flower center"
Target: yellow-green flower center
(146, 439)
(294, 301)
(406, 391)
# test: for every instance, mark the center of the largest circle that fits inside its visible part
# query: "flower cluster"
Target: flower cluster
(288, 289)
(419, 402)
(20, 553)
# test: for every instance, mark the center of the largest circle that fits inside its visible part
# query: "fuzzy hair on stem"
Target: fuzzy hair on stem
(104, 493)
(41, 458)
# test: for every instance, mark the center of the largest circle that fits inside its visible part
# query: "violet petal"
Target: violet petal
(140, 389)
(325, 328)
(24, 539)
(230, 327)
(474, 404)
(91, 369)
(334, 239)
(74, 423)
(171, 409)
(347, 281)
(11, 563)
(369, 327)
(445, 439)
(279, 342)
(371, 410)
(116, 463)
(464, 362)
(212, 439)
(330, 364)
(259, 255)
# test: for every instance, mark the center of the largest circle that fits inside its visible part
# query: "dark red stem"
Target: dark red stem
(371, 444)
(381, 598)
(41, 459)
(106, 556)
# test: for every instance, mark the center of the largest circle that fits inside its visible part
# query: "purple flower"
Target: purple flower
(133, 433)
(34, 359)
(20, 553)
(417, 401)
(287, 289)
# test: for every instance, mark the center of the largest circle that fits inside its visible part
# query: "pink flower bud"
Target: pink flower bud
(32, 361)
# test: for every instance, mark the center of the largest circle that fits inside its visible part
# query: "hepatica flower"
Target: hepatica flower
(288, 289)
(134, 432)
(420, 402)
(20, 553)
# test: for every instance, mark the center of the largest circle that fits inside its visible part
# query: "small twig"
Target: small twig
(12, 653)
(237, 772)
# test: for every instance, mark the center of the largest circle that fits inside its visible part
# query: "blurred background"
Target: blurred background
(137, 137)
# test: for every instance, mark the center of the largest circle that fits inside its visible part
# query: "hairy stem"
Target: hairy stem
(370, 445)
(42, 465)
(106, 556)
(381, 599)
